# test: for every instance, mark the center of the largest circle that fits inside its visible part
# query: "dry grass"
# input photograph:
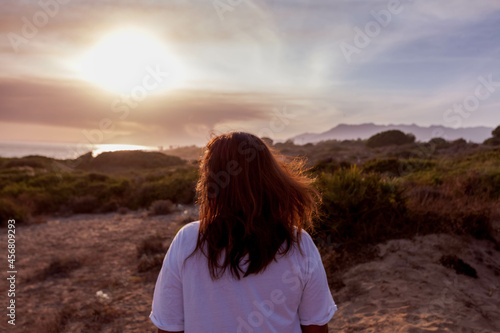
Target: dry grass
(151, 252)
(447, 208)
(161, 207)
(60, 267)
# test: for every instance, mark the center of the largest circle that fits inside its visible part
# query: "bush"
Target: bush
(361, 208)
(389, 166)
(9, 210)
(496, 132)
(36, 162)
(60, 267)
(178, 186)
(492, 142)
(150, 246)
(161, 207)
(396, 167)
(482, 185)
(85, 204)
(110, 161)
(151, 253)
(439, 143)
(459, 142)
(391, 137)
(445, 209)
(328, 165)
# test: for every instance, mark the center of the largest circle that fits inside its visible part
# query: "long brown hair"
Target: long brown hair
(252, 202)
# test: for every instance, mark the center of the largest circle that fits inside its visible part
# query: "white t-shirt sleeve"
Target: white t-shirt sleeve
(168, 309)
(317, 306)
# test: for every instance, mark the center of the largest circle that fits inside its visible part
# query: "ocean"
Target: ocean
(62, 150)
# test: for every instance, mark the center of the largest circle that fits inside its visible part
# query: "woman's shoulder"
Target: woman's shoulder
(304, 236)
(305, 241)
(188, 233)
(189, 228)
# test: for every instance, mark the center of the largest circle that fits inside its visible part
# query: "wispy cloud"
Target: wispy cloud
(260, 55)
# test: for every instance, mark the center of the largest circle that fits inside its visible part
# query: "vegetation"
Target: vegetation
(161, 207)
(495, 138)
(150, 252)
(369, 194)
(35, 185)
(391, 137)
(112, 161)
(361, 207)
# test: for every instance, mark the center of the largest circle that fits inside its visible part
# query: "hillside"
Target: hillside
(364, 131)
(409, 234)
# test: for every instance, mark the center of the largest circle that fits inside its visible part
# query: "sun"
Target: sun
(128, 60)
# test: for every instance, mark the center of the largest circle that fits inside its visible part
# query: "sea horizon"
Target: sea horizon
(63, 150)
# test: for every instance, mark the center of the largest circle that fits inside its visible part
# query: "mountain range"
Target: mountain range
(364, 131)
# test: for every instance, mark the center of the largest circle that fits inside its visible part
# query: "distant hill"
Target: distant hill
(109, 161)
(364, 131)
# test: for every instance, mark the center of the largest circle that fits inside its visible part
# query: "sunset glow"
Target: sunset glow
(111, 147)
(172, 72)
(125, 59)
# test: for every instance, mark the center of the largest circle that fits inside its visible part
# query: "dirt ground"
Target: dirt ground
(88, 253)
(83, 274)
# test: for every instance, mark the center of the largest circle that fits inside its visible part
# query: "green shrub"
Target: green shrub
(328, 165)
(439, 143)
(390, 166)
(496, 132)
(391, 137)
(36, 162)
(397, 167)
(10, 210)
(85, 204)
(492, 142)
(482, 185)
(118, 160)
(360, 207)
(459, 142)
(178, 186)
(495, 137)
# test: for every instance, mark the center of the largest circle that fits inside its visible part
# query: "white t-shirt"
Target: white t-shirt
(292, 291)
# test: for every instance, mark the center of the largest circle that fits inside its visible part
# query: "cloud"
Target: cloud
(261, 55)
(82, 107)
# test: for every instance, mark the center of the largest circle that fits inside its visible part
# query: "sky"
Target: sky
(173, 72)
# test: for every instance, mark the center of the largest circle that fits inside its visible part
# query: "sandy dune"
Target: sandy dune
(409, 290)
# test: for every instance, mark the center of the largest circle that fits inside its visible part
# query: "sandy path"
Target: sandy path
(409, 290)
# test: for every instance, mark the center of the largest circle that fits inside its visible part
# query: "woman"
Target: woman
(247, 265)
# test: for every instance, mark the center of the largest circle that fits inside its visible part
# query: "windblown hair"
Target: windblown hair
(252, 202)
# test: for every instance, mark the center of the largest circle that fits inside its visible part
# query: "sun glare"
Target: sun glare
(130, 59)
(102, 148)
